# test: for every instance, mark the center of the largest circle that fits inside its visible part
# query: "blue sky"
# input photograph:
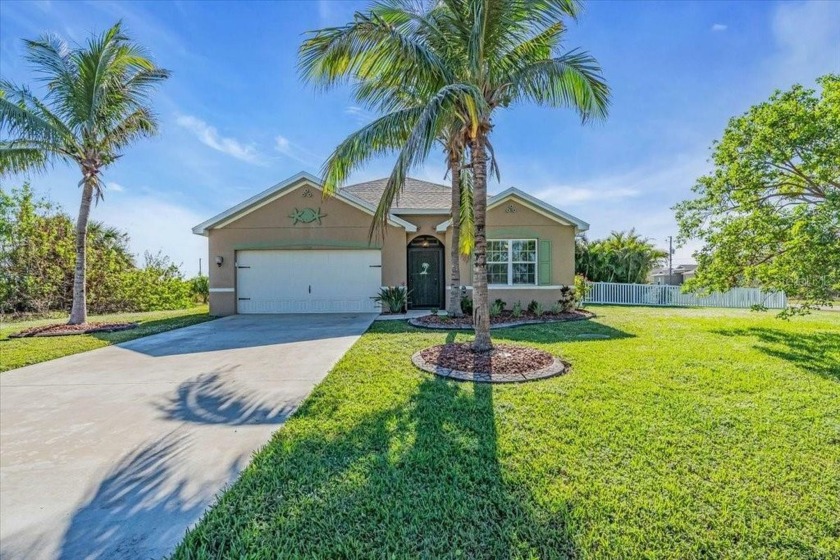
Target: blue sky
(235, 118)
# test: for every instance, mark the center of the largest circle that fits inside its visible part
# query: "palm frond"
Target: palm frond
(383, 135)
(572, 80)
(424, 134)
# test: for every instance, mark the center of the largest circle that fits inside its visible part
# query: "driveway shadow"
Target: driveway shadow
(421, 479)
(211, 399)
(123, 517)
(815, 352)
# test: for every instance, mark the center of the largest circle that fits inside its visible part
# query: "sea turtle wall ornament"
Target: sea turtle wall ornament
(306, 216)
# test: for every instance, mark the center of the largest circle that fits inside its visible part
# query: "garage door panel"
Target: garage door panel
(331, 281)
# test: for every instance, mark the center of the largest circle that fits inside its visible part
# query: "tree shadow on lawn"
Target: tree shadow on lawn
(420, 479)
(212, 399)
(816, 352)
(573, 331)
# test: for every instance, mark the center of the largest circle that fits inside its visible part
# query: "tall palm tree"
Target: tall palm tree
(95, 105)
(460, 60)
(385, 72)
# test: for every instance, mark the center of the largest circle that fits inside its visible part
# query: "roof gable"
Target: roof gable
(280, 189)
(534, 204)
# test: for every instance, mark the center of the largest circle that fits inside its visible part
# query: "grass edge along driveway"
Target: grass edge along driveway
(690, 433)
(19, 352)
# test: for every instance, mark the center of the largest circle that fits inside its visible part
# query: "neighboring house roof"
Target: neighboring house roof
(679, 269)
(278, 190)
(416, 195)
(534, 204)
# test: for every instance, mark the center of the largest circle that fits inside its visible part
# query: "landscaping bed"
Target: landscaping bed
(502, 320)
(63, 329)
(504, 364)
(16, 352)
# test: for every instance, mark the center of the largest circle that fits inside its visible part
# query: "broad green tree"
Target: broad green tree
(96, 103)
(769, 212)
(466, 59)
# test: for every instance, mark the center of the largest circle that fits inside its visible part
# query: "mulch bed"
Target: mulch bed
(505, 319)
(62, 329)
(505, 363)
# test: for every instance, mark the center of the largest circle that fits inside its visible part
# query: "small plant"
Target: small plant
(538, 309)
(556, 308)
(517, 310)
(395, 298)
(532, 307)
(496, 308)
(500, 302)
(435, 311)
(466, 305)
(581, 290)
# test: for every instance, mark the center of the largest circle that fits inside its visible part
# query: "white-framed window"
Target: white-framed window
(512, 262)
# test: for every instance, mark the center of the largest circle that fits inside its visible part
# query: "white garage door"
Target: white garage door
(307, 281)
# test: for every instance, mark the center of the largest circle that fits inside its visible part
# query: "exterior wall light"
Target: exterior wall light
(219, 260)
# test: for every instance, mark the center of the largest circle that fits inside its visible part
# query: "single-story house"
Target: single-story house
(673, 277)
(290, 250)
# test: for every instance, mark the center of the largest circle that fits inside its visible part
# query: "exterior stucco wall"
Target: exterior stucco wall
(271, 227)
(525, 223)
(346, 227)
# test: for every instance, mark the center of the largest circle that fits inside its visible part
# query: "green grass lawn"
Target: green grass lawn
(17, 352)
(689, 434)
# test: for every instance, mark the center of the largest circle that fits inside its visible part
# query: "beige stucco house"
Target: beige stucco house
(290, 250)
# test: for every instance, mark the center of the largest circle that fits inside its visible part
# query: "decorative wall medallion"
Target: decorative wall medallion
(425, 270)
(511, 209)
(306, 216)
(306, 193)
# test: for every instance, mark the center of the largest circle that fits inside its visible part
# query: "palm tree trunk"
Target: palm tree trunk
(78, 313)
(481, 302)
(454, 306)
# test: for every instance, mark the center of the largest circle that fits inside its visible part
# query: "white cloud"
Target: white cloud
(578, 195)
(807, 35)
(209, 136)
(359, 114)
(639, 198)
(719, 27)
(115, 187)
(157, 225)
(291, 150)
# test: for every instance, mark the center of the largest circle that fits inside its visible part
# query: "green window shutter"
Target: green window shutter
(544, 265)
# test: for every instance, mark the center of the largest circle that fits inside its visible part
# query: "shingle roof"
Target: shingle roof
(416, 194)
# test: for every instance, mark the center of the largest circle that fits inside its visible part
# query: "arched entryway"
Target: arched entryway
(426, 272)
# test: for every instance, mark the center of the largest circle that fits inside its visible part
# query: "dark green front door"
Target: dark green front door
(425, 277)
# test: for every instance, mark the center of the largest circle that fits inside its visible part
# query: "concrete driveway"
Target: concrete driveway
(114, 453)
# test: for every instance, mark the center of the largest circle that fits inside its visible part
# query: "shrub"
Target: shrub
(567, 299)
(395, 298)
(496, 308)
(538, 309)
(500, 302)
(466, 305)
(532, 307)
(200, 288)
(581, 289)
(517, 310)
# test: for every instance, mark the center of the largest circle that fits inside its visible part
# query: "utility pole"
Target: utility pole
(199, 266)
(670, 258)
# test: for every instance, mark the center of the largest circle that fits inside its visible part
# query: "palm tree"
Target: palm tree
(390, 30)
(95, 105)
(459, 61)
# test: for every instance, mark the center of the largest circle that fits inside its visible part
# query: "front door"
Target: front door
(425, 277)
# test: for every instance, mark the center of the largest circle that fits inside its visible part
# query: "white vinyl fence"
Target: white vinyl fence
(654, 294)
